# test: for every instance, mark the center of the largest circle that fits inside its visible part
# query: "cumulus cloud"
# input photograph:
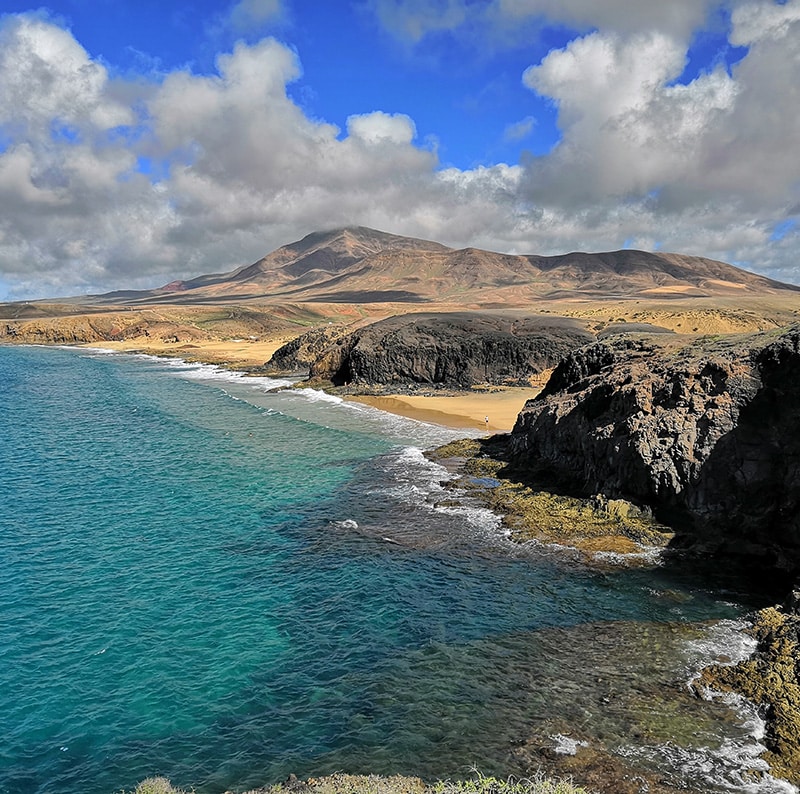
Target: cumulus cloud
(244, 168)
(630, 131)
(378, 127)
(46, 77)
(705, 167)
(626, 128)
(64, 165)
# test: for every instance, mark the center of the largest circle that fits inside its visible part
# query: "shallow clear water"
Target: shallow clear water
(202, 579)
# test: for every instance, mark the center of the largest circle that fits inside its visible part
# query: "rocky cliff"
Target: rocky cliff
(452, 349)
(707, 433)
(298, 355)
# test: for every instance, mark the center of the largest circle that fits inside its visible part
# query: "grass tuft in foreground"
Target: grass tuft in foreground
(157, 785)
(492, 785)
(374, 784)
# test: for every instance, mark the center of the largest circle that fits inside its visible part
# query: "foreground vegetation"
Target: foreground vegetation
(373, 784)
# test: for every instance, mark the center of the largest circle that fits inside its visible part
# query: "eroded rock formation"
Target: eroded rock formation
(298, 355)
(708, 434)
(452, 349)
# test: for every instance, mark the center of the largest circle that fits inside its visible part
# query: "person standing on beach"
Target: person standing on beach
(486, 419)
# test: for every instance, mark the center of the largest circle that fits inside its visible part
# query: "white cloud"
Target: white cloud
(378, 128)
(630, 132)
(626, 128)
(709, 167)
(413, 20)
(676, 17)
(47, 77)
(753, 22)
(520, 129)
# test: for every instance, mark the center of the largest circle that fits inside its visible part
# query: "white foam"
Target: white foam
(725, 642)
(648, 554)
(564, 745)
(478, 517)
(304, 403)
(420, 481)
(316, 395)
(730, 767)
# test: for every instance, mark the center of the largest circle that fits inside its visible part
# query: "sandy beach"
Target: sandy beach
(232, 353)
(464, 410)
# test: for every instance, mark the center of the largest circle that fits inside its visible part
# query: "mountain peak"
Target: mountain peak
(363, 235)
(357, 264)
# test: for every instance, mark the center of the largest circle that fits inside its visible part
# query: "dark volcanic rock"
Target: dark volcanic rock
(298, 355)
(709, 434)
(456, 349)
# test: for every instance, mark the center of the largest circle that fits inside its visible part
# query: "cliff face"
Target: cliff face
(298, 355)
(458, 350)
(709, 434)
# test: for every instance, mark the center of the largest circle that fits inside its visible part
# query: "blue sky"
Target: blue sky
(146, 141)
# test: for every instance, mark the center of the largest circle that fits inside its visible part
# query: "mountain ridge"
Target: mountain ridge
(359, 264)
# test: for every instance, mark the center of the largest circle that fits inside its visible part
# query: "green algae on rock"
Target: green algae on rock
(595, 525)
(771, 680)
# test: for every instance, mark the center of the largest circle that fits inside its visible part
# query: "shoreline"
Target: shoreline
(465, 410)
(460, 404)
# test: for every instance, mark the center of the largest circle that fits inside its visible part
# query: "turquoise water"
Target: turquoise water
(202, 579)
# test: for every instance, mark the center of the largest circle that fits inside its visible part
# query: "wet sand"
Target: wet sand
(466, 410)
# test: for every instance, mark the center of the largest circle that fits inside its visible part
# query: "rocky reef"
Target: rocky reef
(602, 530)
(770, 679)
(457, 349)
(705, 433)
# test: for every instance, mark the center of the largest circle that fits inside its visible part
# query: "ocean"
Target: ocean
(205, 579)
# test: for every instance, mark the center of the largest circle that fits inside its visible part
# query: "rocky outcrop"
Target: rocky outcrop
(452, 349)
(770, 678)
(707, 434)
(298, 355)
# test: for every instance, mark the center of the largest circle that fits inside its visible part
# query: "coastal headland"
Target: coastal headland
(629, 400)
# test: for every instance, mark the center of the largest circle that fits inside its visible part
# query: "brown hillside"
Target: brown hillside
(359, 265)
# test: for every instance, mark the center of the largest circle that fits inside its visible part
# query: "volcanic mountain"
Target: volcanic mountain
(360, 265)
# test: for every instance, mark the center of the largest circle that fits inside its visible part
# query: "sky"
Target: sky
(143, 141)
